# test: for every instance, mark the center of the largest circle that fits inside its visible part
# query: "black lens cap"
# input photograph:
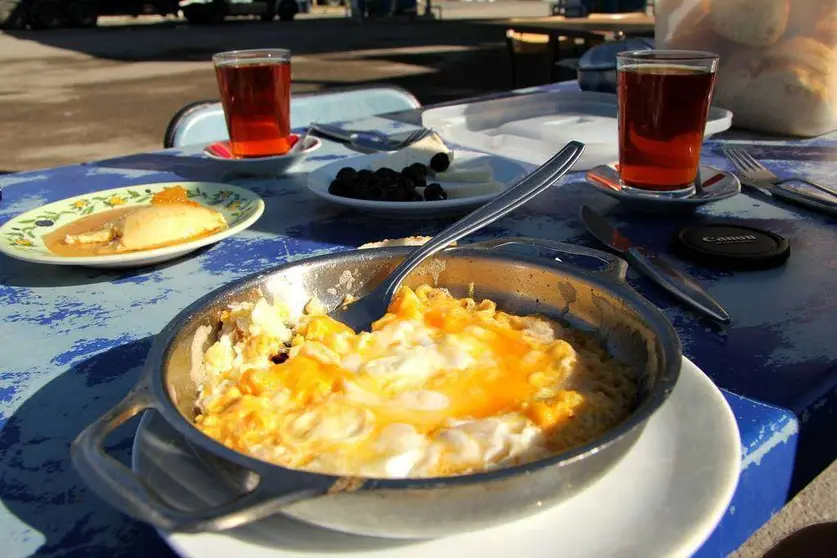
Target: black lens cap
(732, 247)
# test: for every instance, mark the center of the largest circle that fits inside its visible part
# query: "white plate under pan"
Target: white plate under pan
(662, 500)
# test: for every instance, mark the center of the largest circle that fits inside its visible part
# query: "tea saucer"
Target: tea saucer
(716, 185)
(274, 165)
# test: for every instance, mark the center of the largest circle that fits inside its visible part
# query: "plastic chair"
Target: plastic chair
(203, 121)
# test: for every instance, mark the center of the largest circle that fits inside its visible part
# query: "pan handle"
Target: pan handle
(615, 268)
(121, 488)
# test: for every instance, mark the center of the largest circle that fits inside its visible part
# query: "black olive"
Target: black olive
(408, 173)
(360, 190)
(405, 183)
(364, 174)
(413, 173)
(360, 180)
(341, 188)
(417, 196)
(383, 173)
(346, 174)
(377, 180)
(357, 188)
(279, 358)
(435, 192)
(419, 168)
(394, 194)
(419, 182)
(374, 193)
(440, 162)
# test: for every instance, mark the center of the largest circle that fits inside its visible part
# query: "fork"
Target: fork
(360, 313)
(368, 139)
(380, 142)
(754, 176)
(753, 171)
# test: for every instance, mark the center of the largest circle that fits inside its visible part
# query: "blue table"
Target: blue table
(74, 339)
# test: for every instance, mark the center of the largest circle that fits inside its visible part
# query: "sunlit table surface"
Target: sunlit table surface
(74, 340)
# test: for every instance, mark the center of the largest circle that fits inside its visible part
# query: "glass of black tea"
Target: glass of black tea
(256, 94)
(664, 99)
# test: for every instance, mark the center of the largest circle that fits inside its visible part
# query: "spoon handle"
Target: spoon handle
(530, 186)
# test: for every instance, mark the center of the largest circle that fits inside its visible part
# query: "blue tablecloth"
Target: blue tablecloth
(73, 340)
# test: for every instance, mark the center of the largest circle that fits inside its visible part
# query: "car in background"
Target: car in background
(56, 14)
(214, 11)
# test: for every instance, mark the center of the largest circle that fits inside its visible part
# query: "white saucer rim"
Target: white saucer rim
(316, 143)
(661, 201)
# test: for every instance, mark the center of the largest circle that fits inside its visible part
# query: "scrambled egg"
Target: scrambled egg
(441, 386)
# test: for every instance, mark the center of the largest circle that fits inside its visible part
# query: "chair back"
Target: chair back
(203, 121)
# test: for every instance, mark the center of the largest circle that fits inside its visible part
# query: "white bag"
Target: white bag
(778, 58)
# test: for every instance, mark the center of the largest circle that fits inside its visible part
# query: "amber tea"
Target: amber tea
(662, 116)
(256, 94)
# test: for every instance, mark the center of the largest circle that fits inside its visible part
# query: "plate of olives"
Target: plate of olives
(441, 188)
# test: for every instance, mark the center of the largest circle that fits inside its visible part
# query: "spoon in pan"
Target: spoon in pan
(360, 313)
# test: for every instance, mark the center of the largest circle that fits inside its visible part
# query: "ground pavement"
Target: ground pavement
(73, 95)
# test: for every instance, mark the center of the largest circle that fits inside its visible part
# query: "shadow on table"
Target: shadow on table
(353, 229)
(186, 167)
(38, 484)
(176, 41)
(810, 542)
(17, 273)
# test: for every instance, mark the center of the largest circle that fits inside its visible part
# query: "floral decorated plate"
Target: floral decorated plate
(23, 236)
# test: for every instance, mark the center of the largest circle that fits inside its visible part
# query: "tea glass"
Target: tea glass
(256, 94)
(664, 98)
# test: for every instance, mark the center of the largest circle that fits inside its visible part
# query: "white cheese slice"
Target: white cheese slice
(420, 152)
(476, 173)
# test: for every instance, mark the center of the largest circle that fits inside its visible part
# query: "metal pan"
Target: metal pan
(633, 330)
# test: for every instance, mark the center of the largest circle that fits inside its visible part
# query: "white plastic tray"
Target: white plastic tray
(532, 128)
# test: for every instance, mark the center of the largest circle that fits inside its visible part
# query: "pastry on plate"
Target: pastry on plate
(151, 227)
(170, 218)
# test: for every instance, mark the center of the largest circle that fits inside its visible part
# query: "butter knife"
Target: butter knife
(654, 267)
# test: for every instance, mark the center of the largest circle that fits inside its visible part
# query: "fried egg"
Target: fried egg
(441, 386)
